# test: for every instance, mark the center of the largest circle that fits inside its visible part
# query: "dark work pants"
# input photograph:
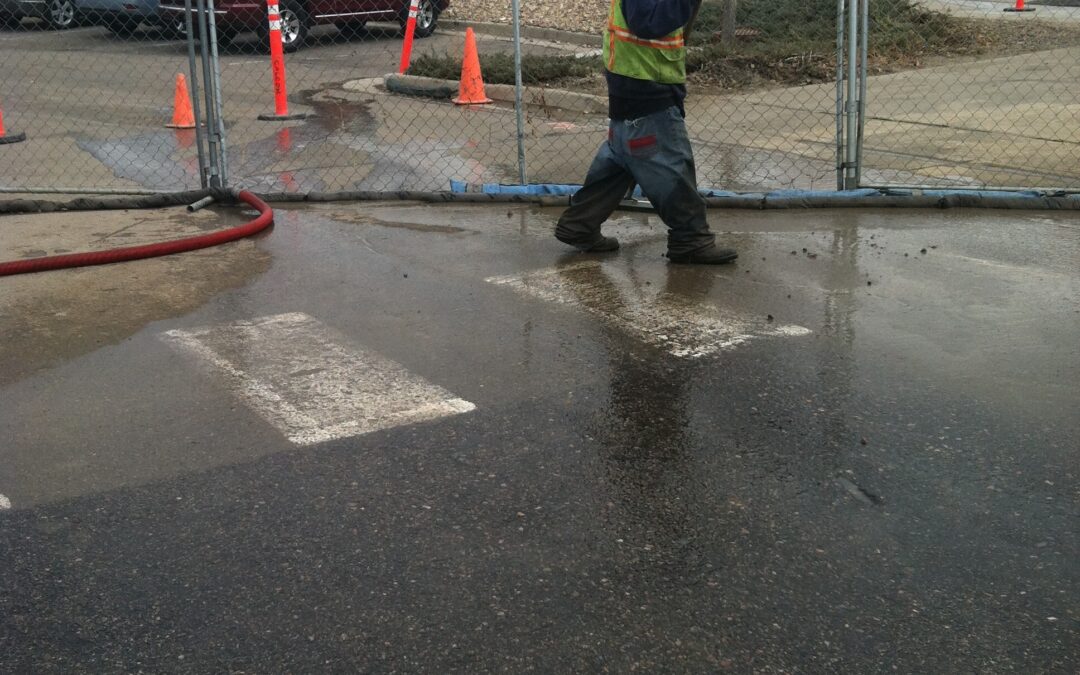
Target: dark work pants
(653, 152)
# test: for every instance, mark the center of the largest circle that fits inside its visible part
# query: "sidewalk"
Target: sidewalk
(1010, 121)
(987, 9)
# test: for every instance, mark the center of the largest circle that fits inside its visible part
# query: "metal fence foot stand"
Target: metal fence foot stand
(7, 139)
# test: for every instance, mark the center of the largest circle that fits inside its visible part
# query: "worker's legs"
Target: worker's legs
(605, 186)
(657, 151)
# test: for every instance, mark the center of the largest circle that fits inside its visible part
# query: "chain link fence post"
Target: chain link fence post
(212, 127)
(851, 107)
(193, 69)
(864, 48)
(840, 24)
(519, 112)
(213, 85)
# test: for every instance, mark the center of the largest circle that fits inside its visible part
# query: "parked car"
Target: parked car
(120, 17)
(57, 13)
(298, 16)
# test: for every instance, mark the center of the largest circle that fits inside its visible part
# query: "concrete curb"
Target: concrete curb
(527, 32)
(413, 85)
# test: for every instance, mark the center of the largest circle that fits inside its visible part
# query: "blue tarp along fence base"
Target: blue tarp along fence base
(863, 197)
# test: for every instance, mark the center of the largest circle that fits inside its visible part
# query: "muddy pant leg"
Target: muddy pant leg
(605, 186)
(662, 163)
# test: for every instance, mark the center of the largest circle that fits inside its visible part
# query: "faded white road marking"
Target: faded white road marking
(5, 503)
(1017, 270)
(682, 326)
(311, 383)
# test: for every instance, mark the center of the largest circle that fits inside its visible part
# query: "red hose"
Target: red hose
(55, 262)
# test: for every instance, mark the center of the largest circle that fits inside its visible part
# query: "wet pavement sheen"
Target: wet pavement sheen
(890, 487)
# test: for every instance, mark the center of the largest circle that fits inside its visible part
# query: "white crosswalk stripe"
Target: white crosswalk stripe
(680, 325)
(311, 383)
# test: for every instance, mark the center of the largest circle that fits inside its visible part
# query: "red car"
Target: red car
(298, 16)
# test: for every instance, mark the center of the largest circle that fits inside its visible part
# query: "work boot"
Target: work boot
(705, 256)
(601, 244)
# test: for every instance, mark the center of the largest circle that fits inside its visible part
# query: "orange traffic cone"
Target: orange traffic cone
(471, 87)
(6, 138)
(1019, 7)
(183, 117)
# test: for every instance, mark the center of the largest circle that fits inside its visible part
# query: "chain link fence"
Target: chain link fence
(956, 93)
(91, 88)
(984, 96)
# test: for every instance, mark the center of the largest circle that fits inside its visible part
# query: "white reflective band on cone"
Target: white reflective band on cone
(275, 25)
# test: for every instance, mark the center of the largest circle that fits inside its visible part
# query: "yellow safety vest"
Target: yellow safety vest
(659, 60)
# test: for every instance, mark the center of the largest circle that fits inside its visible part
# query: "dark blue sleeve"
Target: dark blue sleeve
(651, 19)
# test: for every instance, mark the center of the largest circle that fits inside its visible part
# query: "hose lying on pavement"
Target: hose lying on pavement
(264, 220)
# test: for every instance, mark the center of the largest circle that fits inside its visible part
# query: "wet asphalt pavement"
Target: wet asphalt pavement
(857, 457)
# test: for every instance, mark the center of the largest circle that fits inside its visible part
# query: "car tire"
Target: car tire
(61, 14)
(351, 28)
(226, 36)
(174, 27)
(122, 26)
(295, 24)
(426, 18)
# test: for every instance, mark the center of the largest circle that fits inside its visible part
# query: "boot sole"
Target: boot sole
(601, 246)
(692, 260)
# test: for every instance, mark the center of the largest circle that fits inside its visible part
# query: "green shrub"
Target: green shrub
(794, 26)
(499, 68)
